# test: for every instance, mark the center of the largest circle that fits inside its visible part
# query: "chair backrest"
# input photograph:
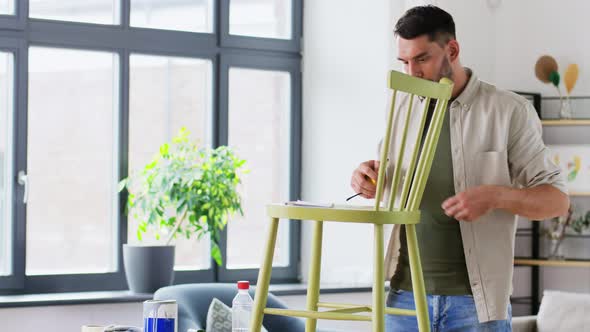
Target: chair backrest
(421, 158)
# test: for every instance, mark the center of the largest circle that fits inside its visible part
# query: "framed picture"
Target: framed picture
(574, 161)
(534, 98)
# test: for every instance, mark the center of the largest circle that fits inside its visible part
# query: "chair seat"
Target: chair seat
(342, 213)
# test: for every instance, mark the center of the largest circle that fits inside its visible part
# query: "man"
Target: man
(490, 165)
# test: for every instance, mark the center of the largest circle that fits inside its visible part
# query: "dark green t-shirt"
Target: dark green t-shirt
(439, 236)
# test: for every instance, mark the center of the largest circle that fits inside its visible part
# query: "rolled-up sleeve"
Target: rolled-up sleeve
(528, 158)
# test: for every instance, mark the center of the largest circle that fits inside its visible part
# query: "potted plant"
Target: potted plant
(185, 190)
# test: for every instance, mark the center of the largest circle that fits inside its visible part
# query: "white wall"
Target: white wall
(503, 39)
(527, 29)
(475, 25)
(348, 47)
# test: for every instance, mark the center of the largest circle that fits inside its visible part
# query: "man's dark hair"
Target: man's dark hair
(429, 20)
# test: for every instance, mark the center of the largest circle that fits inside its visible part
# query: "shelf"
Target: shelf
(546, 262)
(578, 122)
(579, 194)
(521, 300)
(566, 235)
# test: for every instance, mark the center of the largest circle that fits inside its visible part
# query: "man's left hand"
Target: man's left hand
(473, 203)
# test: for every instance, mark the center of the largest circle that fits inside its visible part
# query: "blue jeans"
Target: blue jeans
(447, 313)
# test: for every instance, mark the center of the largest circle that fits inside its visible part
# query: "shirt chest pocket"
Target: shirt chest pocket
(490, 168)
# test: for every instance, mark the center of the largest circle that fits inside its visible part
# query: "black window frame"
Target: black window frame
(19, 32)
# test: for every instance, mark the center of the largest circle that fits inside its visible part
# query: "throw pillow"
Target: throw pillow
(564, 312)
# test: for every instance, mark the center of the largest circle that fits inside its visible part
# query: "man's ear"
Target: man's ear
(453, 50)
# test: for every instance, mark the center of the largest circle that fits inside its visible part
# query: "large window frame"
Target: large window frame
(19, 32)
(290, 64)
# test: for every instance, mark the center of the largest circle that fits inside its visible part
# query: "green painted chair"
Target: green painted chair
(406, 213)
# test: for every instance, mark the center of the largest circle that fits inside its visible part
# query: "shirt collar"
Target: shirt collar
(466, 96)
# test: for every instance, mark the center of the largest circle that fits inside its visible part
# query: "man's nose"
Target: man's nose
(414, 70)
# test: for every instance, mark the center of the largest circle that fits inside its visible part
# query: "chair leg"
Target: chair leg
(313, 290)
(378, 281)
(264, 278)
(417, 280)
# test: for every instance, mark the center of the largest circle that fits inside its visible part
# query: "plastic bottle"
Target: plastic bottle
(242, 308)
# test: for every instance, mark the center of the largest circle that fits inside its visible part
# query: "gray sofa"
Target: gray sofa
(194, 299)
(559, 312)
(524, 324)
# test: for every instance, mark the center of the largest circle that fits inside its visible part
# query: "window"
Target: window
(6, 110)
(186, 15)
(7, 7)
(72, 173)
(260, 18)
(87, 11)
(259, 130)
(166, 94)
(89, 90)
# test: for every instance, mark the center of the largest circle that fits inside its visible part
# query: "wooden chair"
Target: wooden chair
(406, 213)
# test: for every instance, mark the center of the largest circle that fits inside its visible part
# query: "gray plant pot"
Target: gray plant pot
(148, 268)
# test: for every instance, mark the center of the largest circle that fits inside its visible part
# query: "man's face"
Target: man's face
(424, 58)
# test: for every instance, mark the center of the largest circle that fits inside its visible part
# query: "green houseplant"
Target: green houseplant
(186, 190)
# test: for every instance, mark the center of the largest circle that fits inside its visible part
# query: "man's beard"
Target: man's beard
(445, 70)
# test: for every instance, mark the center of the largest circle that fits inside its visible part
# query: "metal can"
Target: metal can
(160, 316)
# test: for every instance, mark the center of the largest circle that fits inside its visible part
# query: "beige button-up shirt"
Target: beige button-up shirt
(495, 140)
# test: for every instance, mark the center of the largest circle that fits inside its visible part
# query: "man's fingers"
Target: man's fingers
(368, 171)
(368, 196)
(355, 186)
(363, 186)
(449, 202)
(375, 169)
(364, 182)
(462, 215)
(359, 185)
(452, 210)
(452, 207)
(364, 178)
(365, 193)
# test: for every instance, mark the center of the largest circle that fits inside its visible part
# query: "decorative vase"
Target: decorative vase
(555, 249)
(565, 110)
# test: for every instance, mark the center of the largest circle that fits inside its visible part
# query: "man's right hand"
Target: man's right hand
(364, 178)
